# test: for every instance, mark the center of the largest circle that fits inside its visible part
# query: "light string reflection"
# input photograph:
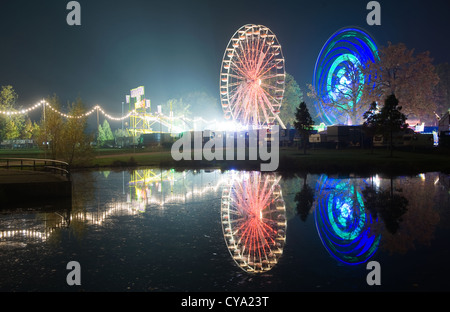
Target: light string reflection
(137, 201)
(33, 234)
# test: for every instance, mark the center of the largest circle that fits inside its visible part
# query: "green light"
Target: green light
(349, 58)
(342, 212)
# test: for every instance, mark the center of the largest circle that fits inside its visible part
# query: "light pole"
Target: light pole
(45, 131)
(98, 134)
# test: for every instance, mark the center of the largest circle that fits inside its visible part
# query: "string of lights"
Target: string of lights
(41, 103)
(90, 112)
(22, 111)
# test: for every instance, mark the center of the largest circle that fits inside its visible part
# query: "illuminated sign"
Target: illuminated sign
(139, 104)
(137, 93)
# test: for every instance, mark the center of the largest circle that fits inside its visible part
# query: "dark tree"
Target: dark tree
(370, 126)
(387, 121)
(303, 123)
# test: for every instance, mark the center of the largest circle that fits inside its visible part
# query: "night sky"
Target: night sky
(174, 47)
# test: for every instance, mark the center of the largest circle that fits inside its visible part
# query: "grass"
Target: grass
(365, 161)
(291, 160)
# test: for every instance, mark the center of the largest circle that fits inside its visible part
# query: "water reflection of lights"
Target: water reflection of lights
(137, 200)
(111, 209)
(30, 233)
(147, 187)
(253, 220)
(342, 223)
(39, 233)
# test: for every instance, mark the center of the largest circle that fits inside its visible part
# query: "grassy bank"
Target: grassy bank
(365, 161)
(291, 160)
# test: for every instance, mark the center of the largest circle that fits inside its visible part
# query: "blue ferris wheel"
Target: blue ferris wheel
(348, 48)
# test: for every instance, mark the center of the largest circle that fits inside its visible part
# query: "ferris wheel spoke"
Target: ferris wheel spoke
(269, 106)
(266, 67)
(234, 84)
(239, 70)
(270, 99)
(261, 58)
(267, 87)
(237, 77)
(247, 64)
(238, 104)
(269, 76)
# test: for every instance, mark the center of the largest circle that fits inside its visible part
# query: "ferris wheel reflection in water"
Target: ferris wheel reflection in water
(253, 220)
(342, 223)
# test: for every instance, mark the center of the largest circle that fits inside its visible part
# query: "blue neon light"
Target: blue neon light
(347, 44)
(342, 223)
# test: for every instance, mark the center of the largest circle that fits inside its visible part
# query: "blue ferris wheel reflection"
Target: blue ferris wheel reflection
(343, 225)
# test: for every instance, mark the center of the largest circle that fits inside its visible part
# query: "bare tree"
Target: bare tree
(412, 78)
(345, 93)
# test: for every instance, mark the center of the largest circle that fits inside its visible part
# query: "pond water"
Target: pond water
(207, 230)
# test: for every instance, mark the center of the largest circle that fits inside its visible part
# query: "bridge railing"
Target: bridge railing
(48, 165)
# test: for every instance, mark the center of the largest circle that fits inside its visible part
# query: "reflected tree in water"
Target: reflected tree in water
(387, 204)
(83, 192)
(419, 222)
(304, 200)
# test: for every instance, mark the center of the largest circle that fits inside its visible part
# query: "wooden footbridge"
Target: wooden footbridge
(30, 179)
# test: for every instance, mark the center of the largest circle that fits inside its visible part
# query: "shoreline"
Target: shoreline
(292, 161)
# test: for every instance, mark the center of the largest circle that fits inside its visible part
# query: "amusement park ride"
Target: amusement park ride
(252, 77)
(252, 83)
(143, 121)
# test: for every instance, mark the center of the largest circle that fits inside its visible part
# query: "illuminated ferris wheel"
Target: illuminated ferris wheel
(253, 220)
(338, 77)
(252, 77)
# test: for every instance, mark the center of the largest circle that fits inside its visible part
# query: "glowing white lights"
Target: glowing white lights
(41, 103)
(21, 112)
(165, 120)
